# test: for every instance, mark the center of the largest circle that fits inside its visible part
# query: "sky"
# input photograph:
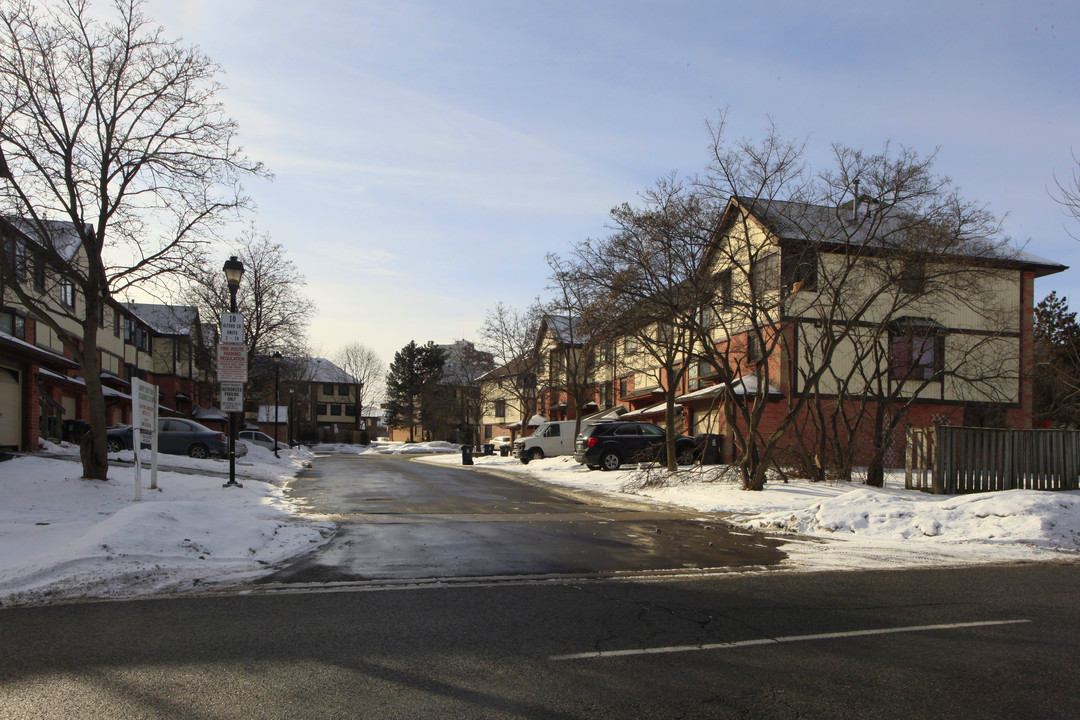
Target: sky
(429, 154)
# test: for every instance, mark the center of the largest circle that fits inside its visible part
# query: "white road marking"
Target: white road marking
(779, 640)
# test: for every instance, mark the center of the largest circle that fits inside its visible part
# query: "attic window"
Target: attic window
(912, 277)
(799, 268)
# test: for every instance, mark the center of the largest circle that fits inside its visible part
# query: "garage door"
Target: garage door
(10, 408)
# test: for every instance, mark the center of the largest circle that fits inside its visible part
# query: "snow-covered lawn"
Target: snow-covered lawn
(63, 537)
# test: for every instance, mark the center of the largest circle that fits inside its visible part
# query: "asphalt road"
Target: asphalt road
(762, 645)
(401, 519)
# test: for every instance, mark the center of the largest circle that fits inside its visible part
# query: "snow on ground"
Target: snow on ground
(62, 537)
(847, 525)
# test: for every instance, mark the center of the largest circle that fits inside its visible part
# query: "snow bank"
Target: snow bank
(64, 537)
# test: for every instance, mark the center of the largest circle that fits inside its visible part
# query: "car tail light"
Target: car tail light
(221, 437)
(591, 442)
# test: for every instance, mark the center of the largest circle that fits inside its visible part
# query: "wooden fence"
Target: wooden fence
(952, 460)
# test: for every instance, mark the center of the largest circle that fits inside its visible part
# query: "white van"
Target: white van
(549, 439)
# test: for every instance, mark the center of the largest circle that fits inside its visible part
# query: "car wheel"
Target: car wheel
(610, 461)
(684, 456)
(198, 451)
(536, 454)
(113, 445)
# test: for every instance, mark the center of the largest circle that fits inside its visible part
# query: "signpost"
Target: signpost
(232, 373)
(144, 417)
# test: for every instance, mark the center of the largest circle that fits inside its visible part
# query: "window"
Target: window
(39, 275)
(912, 278)
(117, 322)
(627, 430)
(328, 389)
(698, 373)
(13, 325)
(916, 350)
(630, 345)
(552, 431)
(755, 348)
(799, 268)
(654, 430)
(624, 385)
(67, 294)
(500, 408)
(335, 409)
(723, 288)
(350, 410)
(487, 432)
(343, 390)
(763, 275)
(320, 408)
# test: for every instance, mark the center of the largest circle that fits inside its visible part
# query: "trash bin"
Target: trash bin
(709, 448)
(73, 430)
(504, 451)
(466, 455)
(489, 449)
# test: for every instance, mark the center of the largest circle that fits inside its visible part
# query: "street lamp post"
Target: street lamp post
(234, 270)
(277, 377)
(292, 431)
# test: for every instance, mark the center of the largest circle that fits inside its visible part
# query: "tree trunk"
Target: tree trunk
(93, 450)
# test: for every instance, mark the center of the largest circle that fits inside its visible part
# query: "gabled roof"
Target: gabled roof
(166, 319)
(564, 328)
(61, 234)
(802, 222)
(320, 370)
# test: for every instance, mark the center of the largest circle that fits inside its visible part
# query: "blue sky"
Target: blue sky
(429, 154)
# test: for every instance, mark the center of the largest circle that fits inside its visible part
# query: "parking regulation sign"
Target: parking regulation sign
(232, 397)
(232, 363)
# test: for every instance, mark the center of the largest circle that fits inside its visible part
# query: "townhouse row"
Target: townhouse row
(42, 391)
(805, 301)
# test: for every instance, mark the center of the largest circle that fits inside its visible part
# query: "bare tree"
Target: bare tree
(644, 286)
(510, 335)
(364, 364)
(820, 291)
(276, 312)
(118, 133)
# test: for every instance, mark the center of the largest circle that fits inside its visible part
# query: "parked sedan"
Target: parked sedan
(177, 436)
(261, 438)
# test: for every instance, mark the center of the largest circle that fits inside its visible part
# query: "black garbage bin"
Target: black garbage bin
(504, 451)
(74, 430)
(466, 455)
(489, 449)
(709, 448)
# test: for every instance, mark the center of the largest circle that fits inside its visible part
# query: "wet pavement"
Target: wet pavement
(401, 519)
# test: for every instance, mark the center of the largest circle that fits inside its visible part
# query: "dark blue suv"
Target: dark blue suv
(607, 445)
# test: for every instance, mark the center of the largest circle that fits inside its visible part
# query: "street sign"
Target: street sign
(232, 396)
(232, 328)
(144, 402)
(232, 363)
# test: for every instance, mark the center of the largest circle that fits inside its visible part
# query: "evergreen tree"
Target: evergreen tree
(413, 374)
(1057, 362)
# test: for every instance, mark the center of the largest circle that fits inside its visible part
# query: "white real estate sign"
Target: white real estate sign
(144, 417)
